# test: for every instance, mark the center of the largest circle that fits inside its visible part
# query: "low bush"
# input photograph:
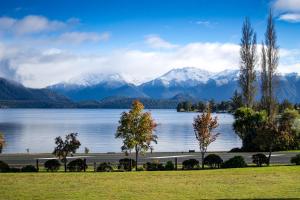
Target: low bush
(235, 162)
(139, 169)
(14, 169)
(104, 167)
(236, 150)
(154, 166)
(52, 165)
(28, 168)
(190, 164)
(259, 159)
(4, 167)
(76, 165)
(169, 165)
(296, 159)
(125, 164)
(213, 161)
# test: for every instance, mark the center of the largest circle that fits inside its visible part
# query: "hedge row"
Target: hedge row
(126, 164)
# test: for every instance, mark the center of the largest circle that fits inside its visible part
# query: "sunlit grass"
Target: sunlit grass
(265, 182)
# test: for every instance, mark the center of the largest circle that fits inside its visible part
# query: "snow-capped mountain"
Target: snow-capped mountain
(185, 82)
(188, 76)
(96, 87)
(196, 82)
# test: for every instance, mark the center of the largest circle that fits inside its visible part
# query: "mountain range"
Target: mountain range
(114, 91)
(189, 82)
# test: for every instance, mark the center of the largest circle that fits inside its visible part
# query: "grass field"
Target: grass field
(267, 182)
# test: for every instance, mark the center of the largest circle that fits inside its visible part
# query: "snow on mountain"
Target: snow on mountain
(188, 76)
(191, 76)
(224, 77)
(94, 79)
(177, 83)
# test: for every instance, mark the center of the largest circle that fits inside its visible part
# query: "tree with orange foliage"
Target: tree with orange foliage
(204, 125)
(136, 129)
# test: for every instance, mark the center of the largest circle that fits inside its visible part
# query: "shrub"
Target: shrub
(52, 165)
(259, 159)
(190, 164)
(236, 150)
(169, 165)
(76, 165)
(140, 169)
(4, 167)
(213, 161)
(104, 167)
(14, 169)
(125, 164)
(28, 168)
(296, 159)
(235, 162)
(154, 166)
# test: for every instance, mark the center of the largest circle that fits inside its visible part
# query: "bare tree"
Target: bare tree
(271, 66)
(264, 79)
(204, 125)
(248, 61)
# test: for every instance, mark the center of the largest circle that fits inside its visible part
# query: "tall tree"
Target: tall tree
(271, 60)
(66, 147)
(264, 79)
(2, 142)
(248, 61)
(204, 125)
(136, 129)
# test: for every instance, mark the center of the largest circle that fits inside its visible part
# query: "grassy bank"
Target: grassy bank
(266, 182)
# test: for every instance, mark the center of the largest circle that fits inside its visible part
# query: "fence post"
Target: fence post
(95, 165)
(176, 163)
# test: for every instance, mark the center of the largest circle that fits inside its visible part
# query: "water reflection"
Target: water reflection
(36, 129)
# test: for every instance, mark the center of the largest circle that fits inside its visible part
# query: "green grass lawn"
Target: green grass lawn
(267, 182)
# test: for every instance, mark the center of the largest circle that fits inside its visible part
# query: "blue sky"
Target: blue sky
(74, 38)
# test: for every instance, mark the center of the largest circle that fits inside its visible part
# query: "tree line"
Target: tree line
(222, 106)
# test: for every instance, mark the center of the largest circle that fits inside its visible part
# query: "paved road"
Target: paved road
(25, 159)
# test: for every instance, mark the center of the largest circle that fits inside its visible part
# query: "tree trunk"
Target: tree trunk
(269, 158)
(65, 163)
(202, 159)
(130, 165)
(136, 157)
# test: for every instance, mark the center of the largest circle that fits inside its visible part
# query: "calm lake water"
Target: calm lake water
(36, 129)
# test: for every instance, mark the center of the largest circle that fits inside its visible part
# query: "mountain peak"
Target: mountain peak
(186, 76)
(94, 79)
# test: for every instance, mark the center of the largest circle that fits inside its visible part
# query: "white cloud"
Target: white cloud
(40, 68)
(288, 10)
(30, 24)
(290, 17)
(80, 37)
(156, 42)
(287, 5)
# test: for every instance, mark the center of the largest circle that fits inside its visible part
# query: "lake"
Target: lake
(36, 129)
